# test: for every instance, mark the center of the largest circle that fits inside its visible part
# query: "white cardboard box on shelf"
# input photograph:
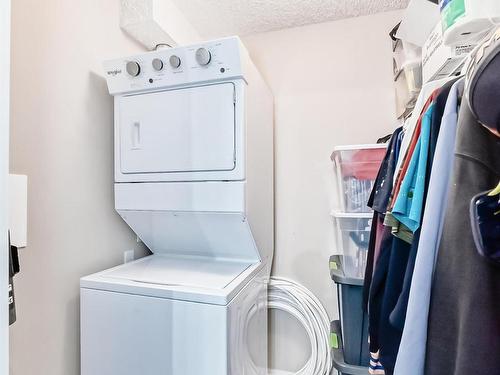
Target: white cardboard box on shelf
(440, 61)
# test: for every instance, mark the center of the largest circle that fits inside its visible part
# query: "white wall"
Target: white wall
(332, 84)
(62, 139)
(4, 171)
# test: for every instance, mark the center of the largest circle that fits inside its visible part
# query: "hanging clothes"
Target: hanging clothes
(376, 367)
(411, 354)
(434, 299)
(464, 317)
(380, 295)
(409, 203)
(378, 201)
(376, 294)
(411, 124)
(391, 281)
(389, 276)
(405, 163)
(398, 316)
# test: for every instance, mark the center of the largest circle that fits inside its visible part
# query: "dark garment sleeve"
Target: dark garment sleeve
(398, 315)
(390, 337)
(378, 201)
(381, 192)
(370, 262)
(377, 290)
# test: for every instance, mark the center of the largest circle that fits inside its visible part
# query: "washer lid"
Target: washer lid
(197, 272)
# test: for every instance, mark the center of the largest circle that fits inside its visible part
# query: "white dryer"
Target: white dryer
(194, 180)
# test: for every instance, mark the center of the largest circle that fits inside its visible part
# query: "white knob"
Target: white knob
(133, 68)
(157, 64)
(203, 56)
(175, 61)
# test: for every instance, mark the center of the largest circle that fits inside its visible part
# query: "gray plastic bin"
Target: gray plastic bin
(339, 362)
(352, 330)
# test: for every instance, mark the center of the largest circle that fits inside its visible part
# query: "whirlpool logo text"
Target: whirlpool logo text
(114, 72)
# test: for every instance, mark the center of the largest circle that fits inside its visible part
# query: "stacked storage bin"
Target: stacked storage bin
(356, 170)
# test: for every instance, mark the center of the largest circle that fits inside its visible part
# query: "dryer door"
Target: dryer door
(184, 130)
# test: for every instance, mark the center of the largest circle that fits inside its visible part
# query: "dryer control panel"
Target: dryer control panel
(172, 67)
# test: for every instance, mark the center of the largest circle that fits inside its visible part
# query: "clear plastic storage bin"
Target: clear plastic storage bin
(356, 169)
(353, 236)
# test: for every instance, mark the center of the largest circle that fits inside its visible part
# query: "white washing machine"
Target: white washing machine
(194, 180)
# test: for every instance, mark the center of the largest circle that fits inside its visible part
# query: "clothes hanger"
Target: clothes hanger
(495, 191)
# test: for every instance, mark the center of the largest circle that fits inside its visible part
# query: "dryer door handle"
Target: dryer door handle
(136, 135)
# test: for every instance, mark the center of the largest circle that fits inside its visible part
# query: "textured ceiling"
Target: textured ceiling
(214, 18)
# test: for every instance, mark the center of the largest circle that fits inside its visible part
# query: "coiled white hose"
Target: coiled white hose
(295, 299)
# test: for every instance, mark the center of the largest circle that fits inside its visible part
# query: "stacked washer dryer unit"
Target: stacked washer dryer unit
(194, 180)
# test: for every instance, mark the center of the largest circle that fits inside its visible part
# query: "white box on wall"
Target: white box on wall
(18, 210)
(440, 61)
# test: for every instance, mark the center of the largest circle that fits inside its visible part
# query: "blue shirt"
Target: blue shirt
(411, 354)
(409, 202)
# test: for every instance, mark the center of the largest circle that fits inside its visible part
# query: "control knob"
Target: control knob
(157, 64)
(203, 56)
(175, 61)
(133, 68)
